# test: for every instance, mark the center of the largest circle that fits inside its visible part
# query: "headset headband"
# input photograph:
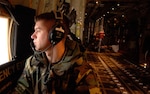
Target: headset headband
(58, 15)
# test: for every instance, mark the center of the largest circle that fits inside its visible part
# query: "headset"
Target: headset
(57, 32)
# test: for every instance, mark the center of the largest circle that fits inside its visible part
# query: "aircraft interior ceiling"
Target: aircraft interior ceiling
(116, 8)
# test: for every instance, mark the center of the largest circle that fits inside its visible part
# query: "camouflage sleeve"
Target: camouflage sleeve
(24, 84)
(87, 81)
(93, 83)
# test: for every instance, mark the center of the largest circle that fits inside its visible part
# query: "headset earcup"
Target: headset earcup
(55, 36)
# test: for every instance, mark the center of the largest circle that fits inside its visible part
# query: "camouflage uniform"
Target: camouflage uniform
(71, 75)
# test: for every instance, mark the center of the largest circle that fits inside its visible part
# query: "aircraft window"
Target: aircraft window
(4, 40)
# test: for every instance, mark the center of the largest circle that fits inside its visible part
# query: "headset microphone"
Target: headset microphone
(32, 46)
(39, 52)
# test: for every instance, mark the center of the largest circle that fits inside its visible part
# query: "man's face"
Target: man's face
(40, 35)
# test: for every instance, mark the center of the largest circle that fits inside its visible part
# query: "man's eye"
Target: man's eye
(37, 30)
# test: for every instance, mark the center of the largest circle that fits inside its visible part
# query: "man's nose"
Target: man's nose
(33, 35)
